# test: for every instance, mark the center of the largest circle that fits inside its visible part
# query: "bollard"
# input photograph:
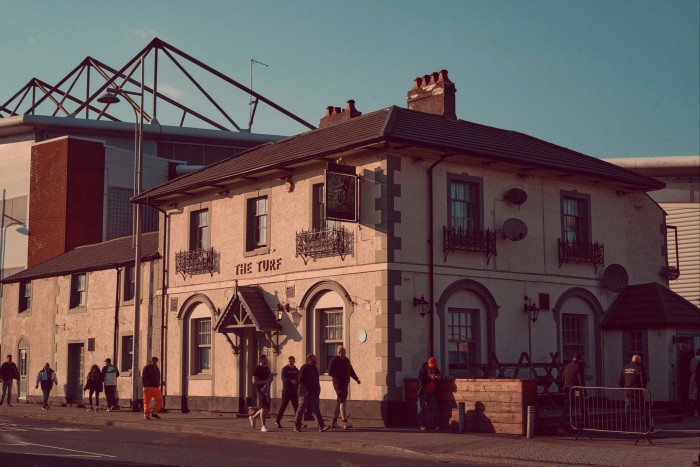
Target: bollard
(530, 421)
(461, 406)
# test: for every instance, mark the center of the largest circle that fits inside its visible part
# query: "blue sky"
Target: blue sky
(608, 78)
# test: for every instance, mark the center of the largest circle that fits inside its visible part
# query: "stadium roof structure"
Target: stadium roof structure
(77, 93)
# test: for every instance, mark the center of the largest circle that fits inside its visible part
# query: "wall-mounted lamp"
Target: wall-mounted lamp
(288, 184)
(533, 312)
(422, 305)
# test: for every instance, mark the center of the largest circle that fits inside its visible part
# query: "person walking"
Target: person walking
(310, 391)
(110, 373)
(573, 377)
(341, 370)
(150, 377)
(428, 375)
(694, 386)
(290, 383)
(8, 372)
(48, 379)
(262, 377)
(634, 378)
(94, 385)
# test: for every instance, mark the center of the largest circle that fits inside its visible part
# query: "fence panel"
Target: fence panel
(612, 410)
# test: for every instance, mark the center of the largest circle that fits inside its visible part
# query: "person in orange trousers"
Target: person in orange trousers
(150, 376)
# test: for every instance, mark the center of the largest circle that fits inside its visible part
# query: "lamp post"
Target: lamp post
(110, 97)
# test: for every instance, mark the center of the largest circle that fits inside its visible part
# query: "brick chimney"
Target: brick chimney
(435, 94)
(336, 114)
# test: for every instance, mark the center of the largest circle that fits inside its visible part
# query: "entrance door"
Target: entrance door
(23, 364)
(74, 377)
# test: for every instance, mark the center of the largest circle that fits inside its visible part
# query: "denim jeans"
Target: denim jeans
(7, 387)
(311, 402)
(429, 399)
(46, 393)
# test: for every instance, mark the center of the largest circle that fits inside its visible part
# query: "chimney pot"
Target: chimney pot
(443, 76)
(338, 110)
(417, 83)
(329, 110)
(426, 80)
(436, 75)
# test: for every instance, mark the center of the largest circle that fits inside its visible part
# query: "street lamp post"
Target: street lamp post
(111, 98)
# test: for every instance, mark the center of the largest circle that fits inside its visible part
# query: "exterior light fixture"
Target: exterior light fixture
(533, 312)
(422, 305)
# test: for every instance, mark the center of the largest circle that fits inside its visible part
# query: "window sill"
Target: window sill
(24, 313)
(125, 373)
(263, 250)
(201, 376)
(325, 378)
(78, 309)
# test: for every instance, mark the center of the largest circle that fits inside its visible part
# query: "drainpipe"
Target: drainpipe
(163, 312)
(117, 303)
(431, 253)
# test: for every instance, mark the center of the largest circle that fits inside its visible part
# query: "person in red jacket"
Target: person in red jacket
(428, 375)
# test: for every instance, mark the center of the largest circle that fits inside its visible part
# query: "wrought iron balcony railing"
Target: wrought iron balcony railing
(190, 263)
(315, 244)
(580, 252)
(460, 239)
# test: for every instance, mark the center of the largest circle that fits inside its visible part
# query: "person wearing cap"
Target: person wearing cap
(428, 375)
(110, 373)
(150, 378)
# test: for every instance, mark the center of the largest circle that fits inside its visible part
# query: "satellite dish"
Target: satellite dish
(516, 196)
(615, 278)
(514, 229)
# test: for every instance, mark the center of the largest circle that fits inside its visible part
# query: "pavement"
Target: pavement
(675, 444)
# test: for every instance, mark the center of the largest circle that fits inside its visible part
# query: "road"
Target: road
(28, 442)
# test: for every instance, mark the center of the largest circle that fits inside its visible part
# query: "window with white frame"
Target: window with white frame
(25, 296)
(634, 343)
(331, 333)
(78, 290)
(462, 337)
(127, 353)
(575, 218)
(464, 204)
(573, 334)
(129, 283)
(201, 329)
(318, 209)
(257, 223)
(199, 230)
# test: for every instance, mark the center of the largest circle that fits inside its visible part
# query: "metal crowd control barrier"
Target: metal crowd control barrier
(611, 410)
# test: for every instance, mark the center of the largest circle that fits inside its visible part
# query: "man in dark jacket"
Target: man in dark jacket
(8, 372)
(634, 378)
(341, 370)
(150, 377)
(428, 375)
(290, 382)
(573, 377)
(309, 390)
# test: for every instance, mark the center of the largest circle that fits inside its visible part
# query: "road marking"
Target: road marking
(93, 454)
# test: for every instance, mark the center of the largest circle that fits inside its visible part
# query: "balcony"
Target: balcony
(190, 263)
(580, 252)
(460, 239)
(313, 244)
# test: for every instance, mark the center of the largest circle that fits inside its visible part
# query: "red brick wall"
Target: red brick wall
(65, 197)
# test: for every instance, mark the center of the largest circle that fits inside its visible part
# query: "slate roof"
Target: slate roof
(99, 256)
(650, 305)
(409, 127)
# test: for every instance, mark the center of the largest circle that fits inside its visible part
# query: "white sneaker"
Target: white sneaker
(252, 421)
(264, 429)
